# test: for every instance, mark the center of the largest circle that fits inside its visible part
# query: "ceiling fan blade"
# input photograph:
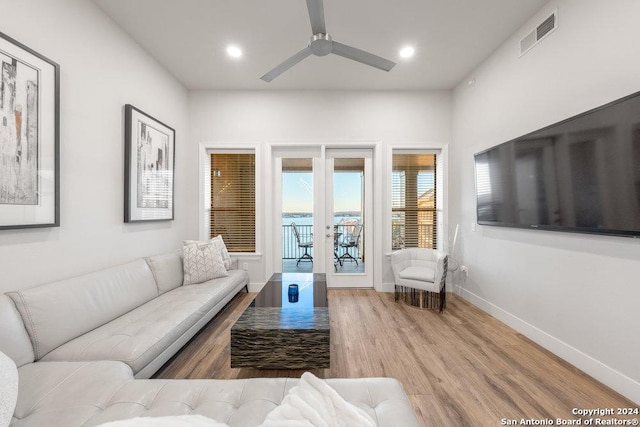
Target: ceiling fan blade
(281, 68)
(316, 15)
(362, 56)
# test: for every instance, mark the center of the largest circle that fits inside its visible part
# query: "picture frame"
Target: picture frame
(149, 167)
(29, 137)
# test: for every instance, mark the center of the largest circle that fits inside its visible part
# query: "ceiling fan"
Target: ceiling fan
(322, 44)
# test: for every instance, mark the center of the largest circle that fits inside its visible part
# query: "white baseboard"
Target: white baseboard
(621, 383)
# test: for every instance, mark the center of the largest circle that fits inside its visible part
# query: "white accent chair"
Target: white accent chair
(420, 276)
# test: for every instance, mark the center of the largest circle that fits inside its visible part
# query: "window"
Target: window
(413, 201)
(233, 200)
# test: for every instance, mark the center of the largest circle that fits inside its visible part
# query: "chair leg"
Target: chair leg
(305, 255)
(347, 255)
(420, 298)
(443, 285)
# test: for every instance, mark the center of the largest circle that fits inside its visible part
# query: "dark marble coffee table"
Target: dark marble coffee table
(277, 332)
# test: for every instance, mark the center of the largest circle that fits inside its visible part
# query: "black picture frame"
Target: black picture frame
(149, 167)
(29, 137)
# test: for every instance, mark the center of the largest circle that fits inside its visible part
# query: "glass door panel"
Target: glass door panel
(348, 215)
(349, 212)
(297, 215)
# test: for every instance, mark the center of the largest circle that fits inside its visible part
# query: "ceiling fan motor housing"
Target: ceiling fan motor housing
(321, 44)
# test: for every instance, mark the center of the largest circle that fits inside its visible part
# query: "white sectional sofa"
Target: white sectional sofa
(85, 346)
(138, 313)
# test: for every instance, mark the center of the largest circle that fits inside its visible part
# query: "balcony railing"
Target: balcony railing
(290, 249)
(426, 238)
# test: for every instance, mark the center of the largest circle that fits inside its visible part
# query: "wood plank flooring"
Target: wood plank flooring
(459, 368)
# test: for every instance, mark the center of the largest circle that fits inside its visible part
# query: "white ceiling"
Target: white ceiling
(189, 38)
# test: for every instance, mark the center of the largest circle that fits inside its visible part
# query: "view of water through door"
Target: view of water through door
(297, 215)
(348, 215)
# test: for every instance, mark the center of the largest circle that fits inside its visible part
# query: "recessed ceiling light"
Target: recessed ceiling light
(407, 52)
(234, 51)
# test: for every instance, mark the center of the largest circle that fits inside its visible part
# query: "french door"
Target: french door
(324, 200)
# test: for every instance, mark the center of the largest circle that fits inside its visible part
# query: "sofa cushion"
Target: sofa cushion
(14, 340)
(423, 274)
(202, 262)
(58, 312)
(383, 399)
(139, 336)
(167, 270)
(91, 393)
(66, 393)
(247, 402)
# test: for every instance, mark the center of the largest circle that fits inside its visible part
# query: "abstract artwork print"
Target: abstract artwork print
(29, 137)
(18, 132)
(154, 174)
(149, 167)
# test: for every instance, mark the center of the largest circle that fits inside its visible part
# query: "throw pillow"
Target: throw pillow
(226, 258)
(8, 388)
(223, 251)
(202, 263)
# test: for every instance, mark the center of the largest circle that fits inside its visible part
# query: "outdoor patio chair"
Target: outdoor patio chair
(305, 244)
(351, 241)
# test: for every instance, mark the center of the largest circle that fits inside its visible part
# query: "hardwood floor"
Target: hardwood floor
(459, 368)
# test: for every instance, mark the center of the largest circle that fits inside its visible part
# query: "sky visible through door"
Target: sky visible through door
(297, 196)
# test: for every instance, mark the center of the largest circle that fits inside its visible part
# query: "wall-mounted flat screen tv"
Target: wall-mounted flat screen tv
(579, 175)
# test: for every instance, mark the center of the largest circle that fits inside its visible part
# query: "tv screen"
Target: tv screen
(579, 175)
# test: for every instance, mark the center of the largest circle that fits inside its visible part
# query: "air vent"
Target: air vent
(546, 27)
(540, 32)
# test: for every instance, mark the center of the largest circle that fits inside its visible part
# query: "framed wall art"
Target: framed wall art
(149, 165)
(29, 137)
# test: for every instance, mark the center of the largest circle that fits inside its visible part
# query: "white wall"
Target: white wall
(101, 70)
(392, 119)
(577, 295)
(319, 116)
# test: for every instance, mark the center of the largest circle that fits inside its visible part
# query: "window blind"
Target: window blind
(233, 200)
(413, 201)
